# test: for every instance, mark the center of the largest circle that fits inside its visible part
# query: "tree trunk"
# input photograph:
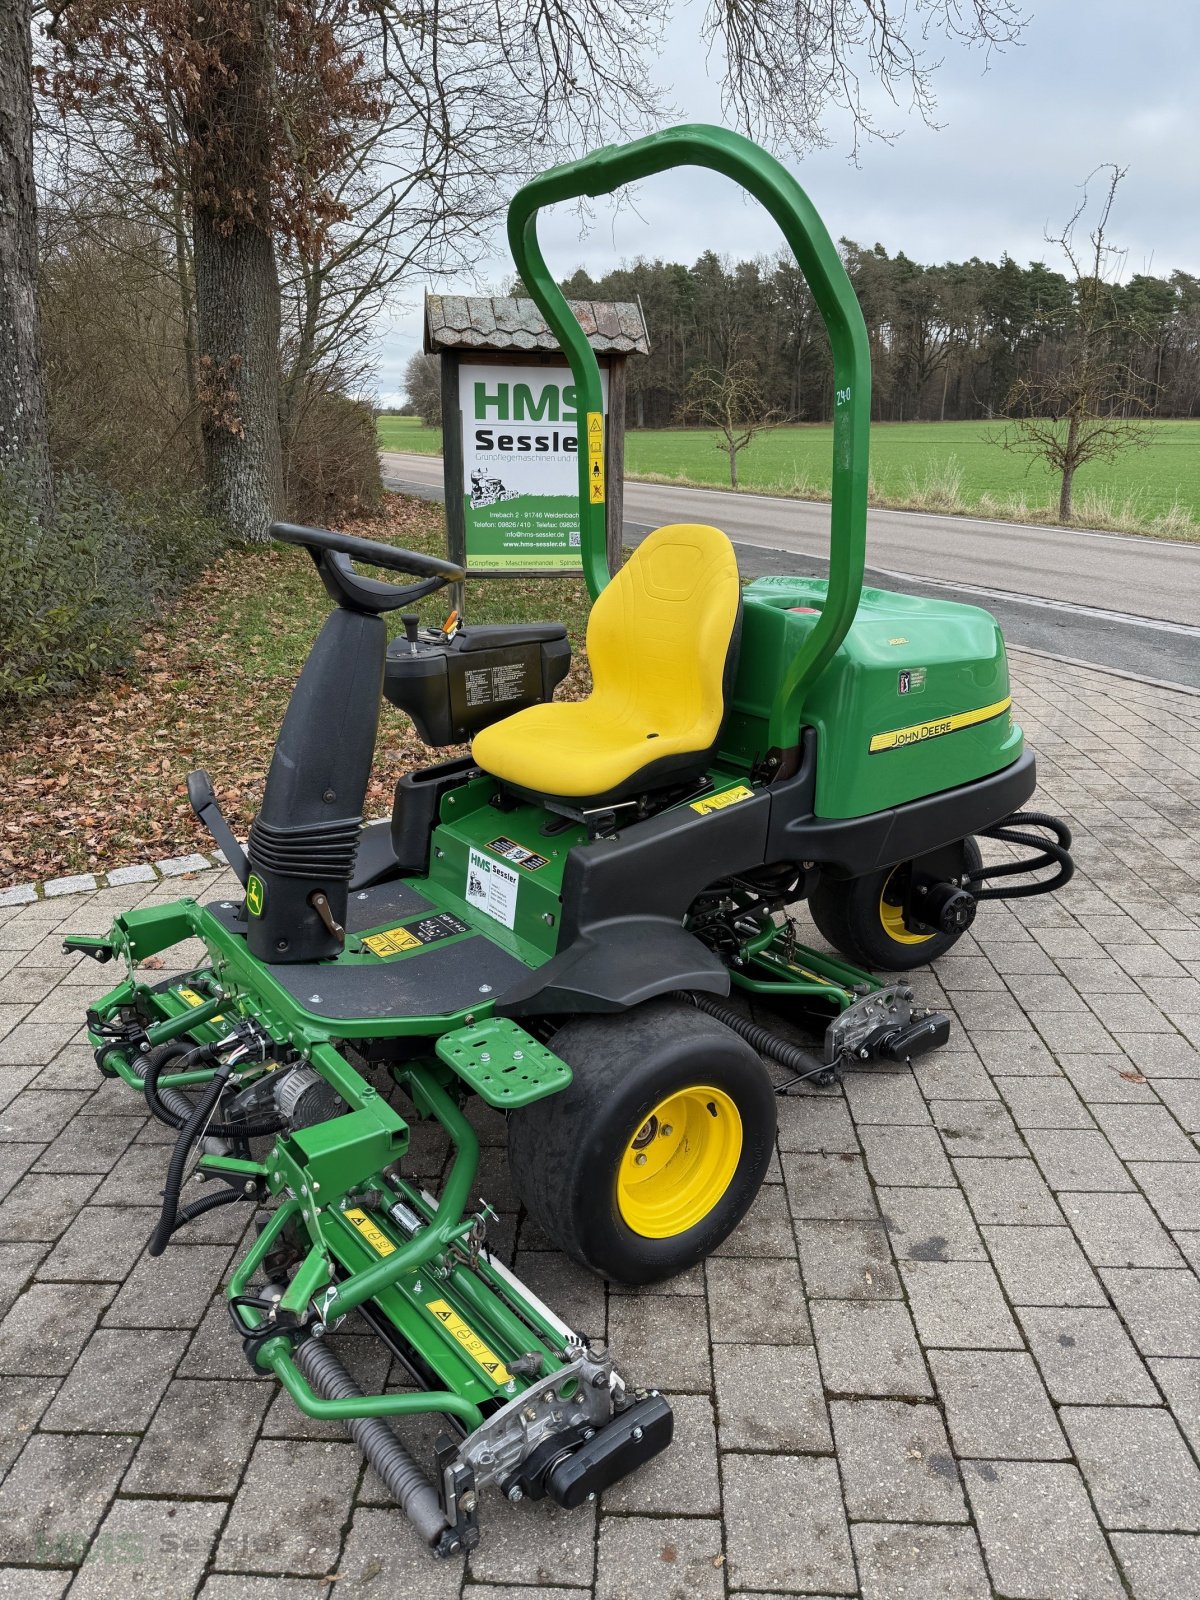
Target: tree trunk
(187, 309)
(237, 305)
(733, 483)
(1068, 471)
(237, 285)
(1064, 494)
(22, 394)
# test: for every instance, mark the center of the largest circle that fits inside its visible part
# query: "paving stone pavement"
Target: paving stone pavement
(954, 1351)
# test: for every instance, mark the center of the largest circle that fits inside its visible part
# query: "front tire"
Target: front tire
(655, 1152)
(864, 918)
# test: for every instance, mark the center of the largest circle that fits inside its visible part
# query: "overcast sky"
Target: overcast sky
(1092, 81)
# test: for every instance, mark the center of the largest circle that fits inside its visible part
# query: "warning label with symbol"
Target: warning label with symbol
(470, 1341)
(370, 1231)
(411, 936)
(595, 443)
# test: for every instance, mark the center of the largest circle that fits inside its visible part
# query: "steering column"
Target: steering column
(304, 841)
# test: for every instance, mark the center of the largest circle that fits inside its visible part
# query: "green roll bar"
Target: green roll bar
(765, 178)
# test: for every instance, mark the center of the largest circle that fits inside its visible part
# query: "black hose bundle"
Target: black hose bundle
(194, 1128)
(1054, 852)
(802, 1063)
(173, 1108)
(169, 1105)
(206, 1202)
(193, 1120)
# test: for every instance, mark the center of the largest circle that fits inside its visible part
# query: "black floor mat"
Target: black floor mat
(366, 908)
(446, 977)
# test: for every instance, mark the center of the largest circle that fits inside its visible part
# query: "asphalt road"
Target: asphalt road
(1109, 599)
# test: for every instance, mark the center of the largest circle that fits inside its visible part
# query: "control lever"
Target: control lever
(204, 803)
(411, 623)
(320, 904)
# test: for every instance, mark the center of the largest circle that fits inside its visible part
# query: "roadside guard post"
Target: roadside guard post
(512, 434)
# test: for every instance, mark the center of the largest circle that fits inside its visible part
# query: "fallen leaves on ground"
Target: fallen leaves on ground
(97, 779)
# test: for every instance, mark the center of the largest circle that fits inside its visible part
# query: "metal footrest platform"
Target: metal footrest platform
(504, 1065)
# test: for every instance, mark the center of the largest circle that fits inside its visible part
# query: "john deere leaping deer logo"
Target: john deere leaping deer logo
(256, 895)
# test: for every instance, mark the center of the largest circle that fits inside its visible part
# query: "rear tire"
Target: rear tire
(657, 1149)
(861, 917)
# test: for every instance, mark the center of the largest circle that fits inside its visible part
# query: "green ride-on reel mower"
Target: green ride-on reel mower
(554, 923)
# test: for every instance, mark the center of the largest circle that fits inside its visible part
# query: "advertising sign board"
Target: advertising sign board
(520, 445)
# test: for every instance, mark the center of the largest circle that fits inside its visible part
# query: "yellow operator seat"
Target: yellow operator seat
(662, 643)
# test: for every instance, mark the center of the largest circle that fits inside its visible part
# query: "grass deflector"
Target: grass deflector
(553, 926)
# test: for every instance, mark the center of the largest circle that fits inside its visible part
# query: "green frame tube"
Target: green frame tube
(159, 1033)
(275, 1355)
(833, 980)
(447, 1223)
(769, 182)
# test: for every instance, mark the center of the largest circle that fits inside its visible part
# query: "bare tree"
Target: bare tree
(113, 338)
(313, 153)
(1086, 404)
(788, 62)
(190, 90)
(423, 385)
(730, 400)
(337, 141)
(22, 393)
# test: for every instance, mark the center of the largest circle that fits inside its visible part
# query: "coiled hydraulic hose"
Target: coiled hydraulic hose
(169, 1105)
(1050, 852)
(802, 1063)
(403, 1477)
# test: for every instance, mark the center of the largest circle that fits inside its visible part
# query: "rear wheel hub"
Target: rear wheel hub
(680, 1162)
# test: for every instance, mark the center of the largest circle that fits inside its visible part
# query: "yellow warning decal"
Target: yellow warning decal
(370, 1231)
(595, 444)
(813, 977)
(918, 732)
(391, 942)
(470, 1341)
(727, 797)
(194, 999)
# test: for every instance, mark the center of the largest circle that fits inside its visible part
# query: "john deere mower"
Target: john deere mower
(554, 923)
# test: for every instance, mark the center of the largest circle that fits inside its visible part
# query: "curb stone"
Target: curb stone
(23, 894)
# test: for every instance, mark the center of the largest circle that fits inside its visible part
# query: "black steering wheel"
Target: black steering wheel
(332, 554)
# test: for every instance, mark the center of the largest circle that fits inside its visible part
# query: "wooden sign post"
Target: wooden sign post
(510, 432)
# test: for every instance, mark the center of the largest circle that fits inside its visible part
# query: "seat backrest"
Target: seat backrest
(660, 634)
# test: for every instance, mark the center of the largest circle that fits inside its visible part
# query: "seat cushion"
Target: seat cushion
(659, 640)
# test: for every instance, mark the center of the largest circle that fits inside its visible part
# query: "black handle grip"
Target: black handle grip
(368, 551)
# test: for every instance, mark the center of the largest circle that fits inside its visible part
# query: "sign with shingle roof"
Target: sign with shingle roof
(511, 429)
(501, 322)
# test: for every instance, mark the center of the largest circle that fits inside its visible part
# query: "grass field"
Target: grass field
(409, 433)
(936, 466)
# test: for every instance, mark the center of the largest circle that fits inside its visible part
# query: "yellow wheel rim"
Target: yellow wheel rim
(679, 1162)
(891, 914)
